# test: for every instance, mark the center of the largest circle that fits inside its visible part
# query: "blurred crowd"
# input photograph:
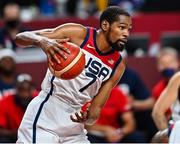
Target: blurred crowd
(126, 116)
(35, 9)
(62, 8)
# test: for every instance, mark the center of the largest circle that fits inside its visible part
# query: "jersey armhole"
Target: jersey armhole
(86, 38)
(115, 66)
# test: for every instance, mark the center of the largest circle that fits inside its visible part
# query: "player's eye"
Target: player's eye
(122, 27)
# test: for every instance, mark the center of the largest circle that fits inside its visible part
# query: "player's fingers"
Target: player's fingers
(79, 116)
(73, 119)
(61, 53)
(49, 59)
(62, 47)
(53, 55)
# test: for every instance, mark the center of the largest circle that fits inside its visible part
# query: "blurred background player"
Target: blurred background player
(7, 72)
(12, 108)
(116, 122)
(169, 98)
(12, 26)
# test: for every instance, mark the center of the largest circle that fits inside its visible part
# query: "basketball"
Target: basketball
(72, 66)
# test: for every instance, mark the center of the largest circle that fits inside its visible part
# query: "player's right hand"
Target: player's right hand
(52, 47)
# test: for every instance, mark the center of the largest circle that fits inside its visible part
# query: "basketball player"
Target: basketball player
(170, 97)
(47, 118)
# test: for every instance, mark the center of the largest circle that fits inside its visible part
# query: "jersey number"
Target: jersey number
(91, 82)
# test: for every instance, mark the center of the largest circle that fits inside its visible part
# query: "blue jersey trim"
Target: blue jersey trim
(97, 49)
(115, 66)
(85, 39)
(40, 109)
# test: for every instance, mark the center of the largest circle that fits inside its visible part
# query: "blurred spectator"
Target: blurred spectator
(133, 86)
(116, 122)
(161, 6)
(12, 108)
(139, 96)
(48, 7)
(167, 64)
(71, 7)
(7, 72)
(129, 5)
(12, 26)
(169, 99)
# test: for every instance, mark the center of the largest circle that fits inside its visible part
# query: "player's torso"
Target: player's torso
(99, 68)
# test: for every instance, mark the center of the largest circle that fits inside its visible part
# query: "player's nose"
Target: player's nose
(126, 34)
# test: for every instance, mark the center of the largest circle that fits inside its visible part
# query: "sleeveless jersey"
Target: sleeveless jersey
(98, 69)
(175, 108)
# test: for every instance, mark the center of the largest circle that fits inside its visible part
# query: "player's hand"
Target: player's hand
(82, 116)
(160, 137)
(54, 46)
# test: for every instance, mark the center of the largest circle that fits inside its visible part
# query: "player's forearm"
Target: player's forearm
(93, 115)
(28, 39)
(160, 120)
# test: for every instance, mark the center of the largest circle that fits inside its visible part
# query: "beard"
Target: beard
(117, 46)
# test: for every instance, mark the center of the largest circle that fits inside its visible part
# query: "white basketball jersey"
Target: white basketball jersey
(99, 68)
(175, 108)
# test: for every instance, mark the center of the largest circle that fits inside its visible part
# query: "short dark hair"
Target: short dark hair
(111, 14)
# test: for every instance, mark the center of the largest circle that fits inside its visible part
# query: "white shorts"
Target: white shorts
(47, 120)
(175, 134)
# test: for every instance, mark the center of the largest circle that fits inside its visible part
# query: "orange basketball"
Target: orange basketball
(72, 66)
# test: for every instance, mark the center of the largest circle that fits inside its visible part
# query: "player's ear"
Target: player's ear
(105, 25)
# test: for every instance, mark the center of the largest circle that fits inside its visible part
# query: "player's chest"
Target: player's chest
(95, 66)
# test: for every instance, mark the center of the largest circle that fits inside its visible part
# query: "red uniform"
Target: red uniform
(114, 107)
(158, 88)
(10, 113)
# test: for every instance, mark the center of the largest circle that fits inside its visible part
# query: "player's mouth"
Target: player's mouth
(123, 41)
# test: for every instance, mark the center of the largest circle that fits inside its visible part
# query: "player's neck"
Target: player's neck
(101, 42)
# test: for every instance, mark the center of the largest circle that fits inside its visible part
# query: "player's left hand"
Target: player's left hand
(161, 137)
(82, 116)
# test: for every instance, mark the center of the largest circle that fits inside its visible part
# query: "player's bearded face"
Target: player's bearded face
(118, 45)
